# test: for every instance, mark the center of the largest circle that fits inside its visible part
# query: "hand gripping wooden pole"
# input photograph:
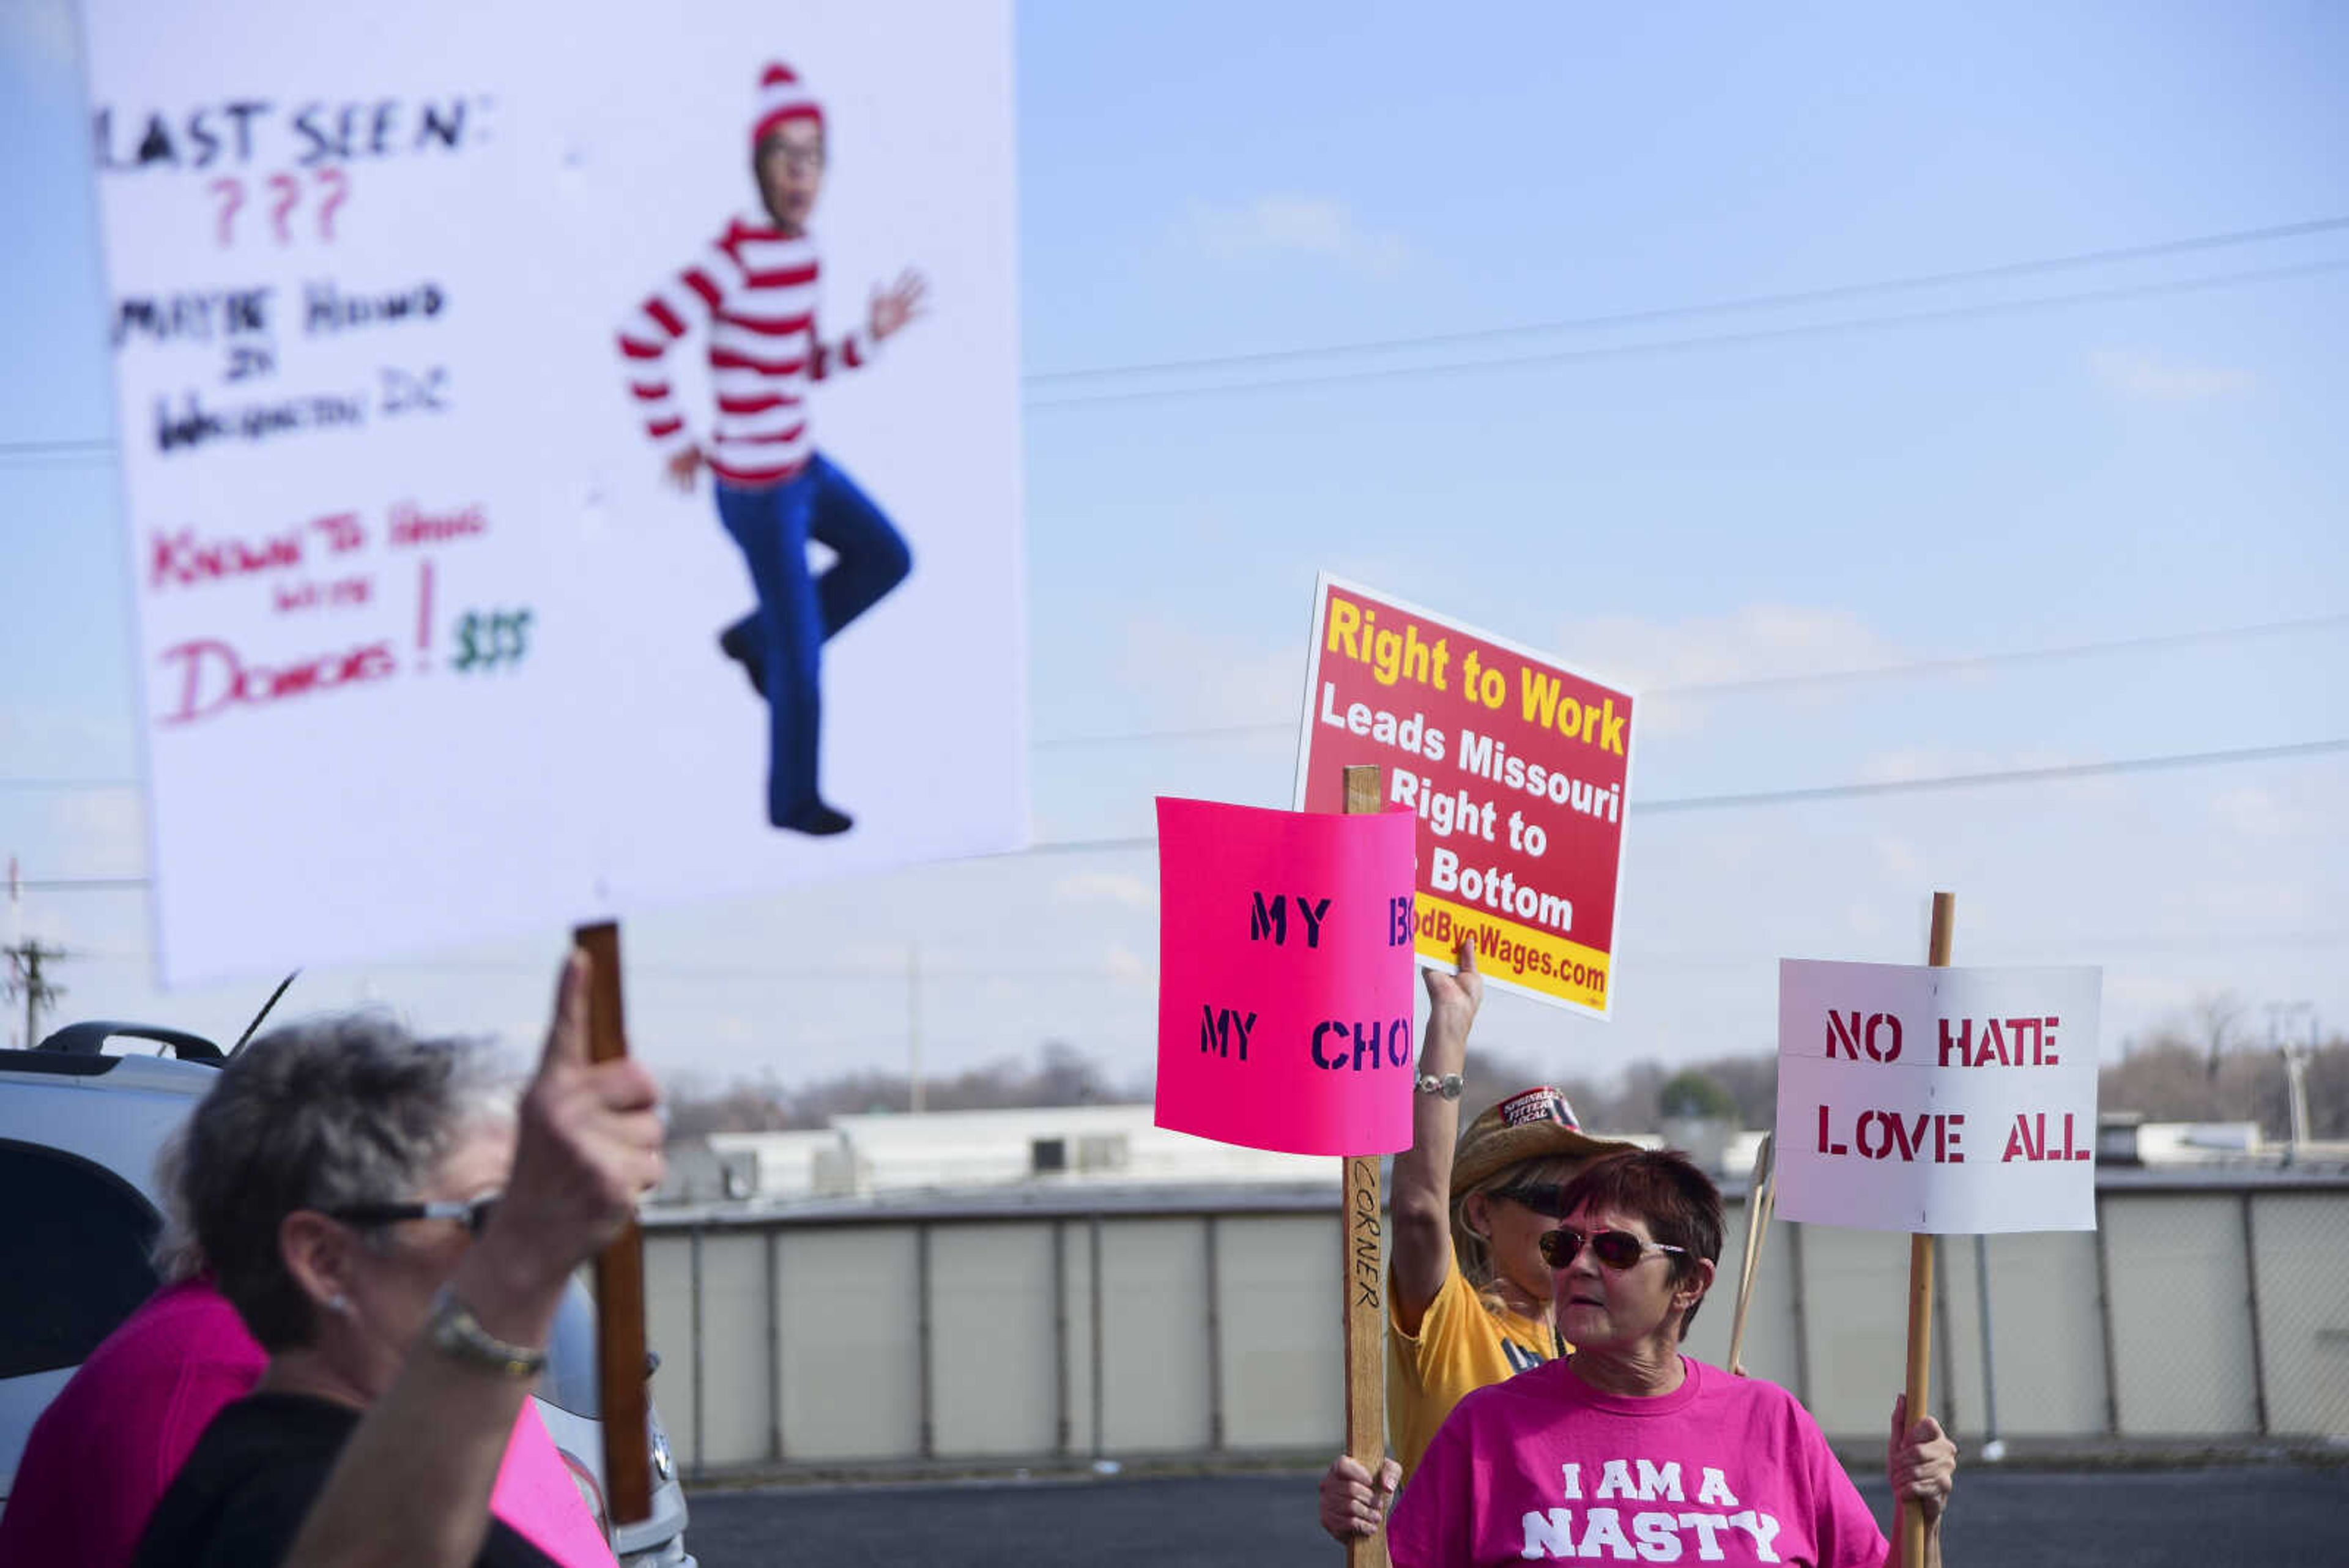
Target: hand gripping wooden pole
(1909, 1522)
(619, 1271)
(1364, 1284)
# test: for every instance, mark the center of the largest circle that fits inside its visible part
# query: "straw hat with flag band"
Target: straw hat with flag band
(1536, 1123)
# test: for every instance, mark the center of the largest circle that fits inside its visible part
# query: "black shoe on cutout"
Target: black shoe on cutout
(736, 643)
(818, 820)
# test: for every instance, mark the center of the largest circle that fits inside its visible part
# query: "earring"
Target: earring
(339, 1305)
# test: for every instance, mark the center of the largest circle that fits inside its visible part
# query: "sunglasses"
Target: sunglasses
(1547, 1198)
(1619, 1250)
(475, 1213)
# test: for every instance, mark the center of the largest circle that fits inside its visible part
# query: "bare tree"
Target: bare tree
(2219, 1026)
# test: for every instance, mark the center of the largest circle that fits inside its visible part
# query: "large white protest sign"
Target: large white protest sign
(477, 368)
(1937, 1101)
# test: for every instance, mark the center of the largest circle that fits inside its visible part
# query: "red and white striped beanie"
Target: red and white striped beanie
(782, 97)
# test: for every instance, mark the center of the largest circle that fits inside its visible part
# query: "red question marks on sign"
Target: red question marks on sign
(338, 185)
(290, 191)
(234, 192)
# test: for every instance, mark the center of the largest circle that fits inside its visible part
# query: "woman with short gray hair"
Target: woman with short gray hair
(341, 1116)
(397, 1235)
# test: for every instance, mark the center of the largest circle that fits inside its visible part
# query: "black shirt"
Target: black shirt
(240, 1500)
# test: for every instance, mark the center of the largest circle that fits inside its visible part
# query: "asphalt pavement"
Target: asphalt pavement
(2292, 1515)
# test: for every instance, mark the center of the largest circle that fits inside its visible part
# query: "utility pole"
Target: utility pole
(913, 1027)
(2295, 1066)
(25, 961)
(15, 934)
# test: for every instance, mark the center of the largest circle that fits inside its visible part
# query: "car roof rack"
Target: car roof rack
(88, 1039)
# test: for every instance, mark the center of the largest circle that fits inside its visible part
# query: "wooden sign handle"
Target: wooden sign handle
(1364, 1281)
(620, 1370)
(1909, 1522)
(1760, 1194)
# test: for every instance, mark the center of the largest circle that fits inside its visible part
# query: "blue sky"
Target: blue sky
(1214, 180)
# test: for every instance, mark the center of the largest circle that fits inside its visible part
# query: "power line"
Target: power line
(1816, 677)
(1855, 791)
(2290, 752)
(972, 970)
(1717, 308)
(1694, 689)
(1952, 665)
(1663, 346)
(2021, 656)
(88, 448)
(60, 447)
(2000, 776)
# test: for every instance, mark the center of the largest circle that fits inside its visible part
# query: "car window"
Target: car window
(73, 1257)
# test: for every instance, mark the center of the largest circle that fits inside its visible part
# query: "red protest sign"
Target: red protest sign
(1517, 768)
(1283, 977)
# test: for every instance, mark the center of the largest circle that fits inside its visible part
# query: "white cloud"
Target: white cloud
(2140, 373)
(100, 832)
(1106, 886)
(1124, 963)
(1898, 857)
(1295, 225)
(2253, 811)
(1754, 642)
(1181, 676)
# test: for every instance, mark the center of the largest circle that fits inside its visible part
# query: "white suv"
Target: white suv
(79, 1128)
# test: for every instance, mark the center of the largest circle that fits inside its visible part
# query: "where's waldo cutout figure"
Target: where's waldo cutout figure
(757, 287)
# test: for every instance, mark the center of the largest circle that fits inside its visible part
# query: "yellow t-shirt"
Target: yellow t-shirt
(1464, 1343)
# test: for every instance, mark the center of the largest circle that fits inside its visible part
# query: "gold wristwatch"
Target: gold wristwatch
(453, 1330)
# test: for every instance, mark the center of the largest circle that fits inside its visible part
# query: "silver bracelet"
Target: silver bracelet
(1448, 1086)
(453, 1330)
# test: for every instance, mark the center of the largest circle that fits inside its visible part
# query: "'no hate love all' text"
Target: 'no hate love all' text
(1938, 1136)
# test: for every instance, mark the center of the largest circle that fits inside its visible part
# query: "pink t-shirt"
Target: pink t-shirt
(104, 1452)
(1722, 1469)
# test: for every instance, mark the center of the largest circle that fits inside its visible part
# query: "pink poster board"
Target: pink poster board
(1285, 977)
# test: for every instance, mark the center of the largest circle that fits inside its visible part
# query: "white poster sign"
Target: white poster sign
(571, 456)
(1939, 1101)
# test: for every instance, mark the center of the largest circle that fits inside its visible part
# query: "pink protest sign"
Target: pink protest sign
(1284, 976)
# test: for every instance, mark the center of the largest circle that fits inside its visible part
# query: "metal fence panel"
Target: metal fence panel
(736, 1399)
(668, 1333)
(993, 1384)
(1155, 1348)
(851, 1359)
(1080, 1343)
(2198, 1310)
(1957, 1398)
(1855, 1326)
(1769, 1350)
(1283, 1367)
(2048, 1354)
(2300, 1246)
(2181, 1339)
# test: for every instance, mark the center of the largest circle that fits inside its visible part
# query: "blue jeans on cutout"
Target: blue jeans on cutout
(799, 611)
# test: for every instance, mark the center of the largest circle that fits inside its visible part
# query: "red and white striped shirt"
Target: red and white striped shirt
(757, 288)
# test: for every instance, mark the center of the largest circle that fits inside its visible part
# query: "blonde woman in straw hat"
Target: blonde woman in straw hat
(1469, 1295)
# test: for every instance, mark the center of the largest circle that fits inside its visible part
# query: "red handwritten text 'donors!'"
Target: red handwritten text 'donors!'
(208, 678)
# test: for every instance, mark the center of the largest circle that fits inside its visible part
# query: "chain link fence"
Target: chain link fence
(2206, 1309)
